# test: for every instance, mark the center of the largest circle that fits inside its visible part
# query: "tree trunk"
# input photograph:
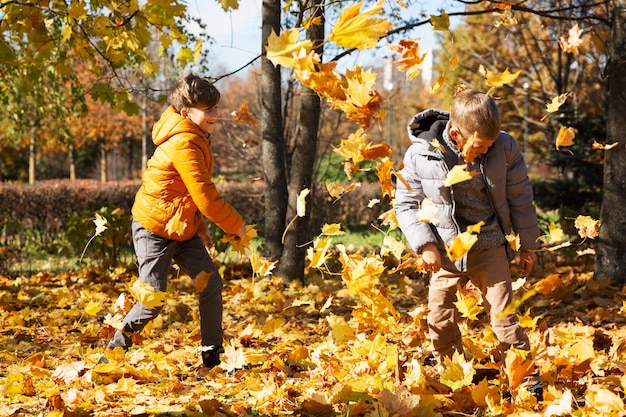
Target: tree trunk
(31, 158)
(103, 163)
(72, 162)
(291, 265)
(273, 140)
(611, 249)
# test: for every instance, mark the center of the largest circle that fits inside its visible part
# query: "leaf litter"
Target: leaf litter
(333, 347)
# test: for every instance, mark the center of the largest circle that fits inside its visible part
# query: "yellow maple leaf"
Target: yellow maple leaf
(229, 4)
(555, 233)
(458, 372)
(312, 20)
(461, 244)
(362, 102)
(318, 253)
(261, 266)
(555, 104)
(92, 308)
(441, 22)
(392, 246)
(498, 79)
(281, 50)
(573, 41)
(587, 227)
(457, 174)
(437, 145)
(527, 321)
(518, 366)
(599, 146)
(438, 84)
(175, 225)
(482, 391)
(146, 294)
(604, 400)
(467, 304)
(427, 212)
(244, 115)
(514, 241)
(581, 351)
(340, 329)
(351, 148)
(410, 60)
(358, 29)
(333, 229)
(507, 19)
(240, 245)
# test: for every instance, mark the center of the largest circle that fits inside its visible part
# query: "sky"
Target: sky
(237, 33)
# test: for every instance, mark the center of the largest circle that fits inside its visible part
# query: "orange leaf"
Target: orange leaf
(243, 115)
(517, 367)
(549, 284)
(565, 137)
(378, 150)
(410, 60)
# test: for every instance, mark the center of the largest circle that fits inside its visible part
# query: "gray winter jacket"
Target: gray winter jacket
(424, 170)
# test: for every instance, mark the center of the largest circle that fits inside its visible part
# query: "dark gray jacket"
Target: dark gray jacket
(424, 170)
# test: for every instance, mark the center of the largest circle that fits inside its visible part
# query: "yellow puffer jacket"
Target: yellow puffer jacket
(177, 184)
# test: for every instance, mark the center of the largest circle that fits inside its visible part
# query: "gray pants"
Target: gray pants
(154, 257)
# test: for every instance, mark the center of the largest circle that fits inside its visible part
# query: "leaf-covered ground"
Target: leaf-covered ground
(349, 345)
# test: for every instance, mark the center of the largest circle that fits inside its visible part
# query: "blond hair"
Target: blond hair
(475, 112)
(191, 90)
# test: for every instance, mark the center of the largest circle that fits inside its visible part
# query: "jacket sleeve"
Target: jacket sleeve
(194, 162)
(519, 194)
(407, 204)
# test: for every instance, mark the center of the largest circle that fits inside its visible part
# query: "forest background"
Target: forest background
(81, 107)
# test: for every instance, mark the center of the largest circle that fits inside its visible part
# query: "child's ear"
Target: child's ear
(184, 113)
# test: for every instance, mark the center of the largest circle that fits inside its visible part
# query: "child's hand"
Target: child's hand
(526, 261)
(431, 258)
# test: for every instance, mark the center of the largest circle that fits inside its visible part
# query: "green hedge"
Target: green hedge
(43, 212)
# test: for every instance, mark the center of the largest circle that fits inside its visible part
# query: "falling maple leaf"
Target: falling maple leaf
(261, 266)
(514, 240)
(358, 29)
(375, 151)
(440, 22)
(565, 137)
(556, 103)
(318, 253)
(463, 242)
(498, 79)
(229, 4)
(587, 227)
(410, 60)
(392, 246)
(602, 147)
(333, 229)
(548, 284)
(244, 115)
(384, 174)
(240, 245)
(281, 50)
(101, 225)
(146, 294)
(573, 41)
(508, 18)
(428, 212)
(457, 174)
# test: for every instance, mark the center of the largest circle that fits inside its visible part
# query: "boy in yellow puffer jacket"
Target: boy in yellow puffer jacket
(176, 193)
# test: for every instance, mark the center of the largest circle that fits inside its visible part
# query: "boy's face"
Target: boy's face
(203, 116)
(470, 146)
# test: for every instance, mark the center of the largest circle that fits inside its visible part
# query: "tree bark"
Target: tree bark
(273, 141)
(611, 249)
(292, 261)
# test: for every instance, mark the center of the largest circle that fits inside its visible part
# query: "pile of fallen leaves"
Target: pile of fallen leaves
(349, 345)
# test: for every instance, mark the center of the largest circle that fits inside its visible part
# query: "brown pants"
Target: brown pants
(489, 271)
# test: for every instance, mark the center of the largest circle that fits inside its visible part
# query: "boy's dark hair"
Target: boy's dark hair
(475, 112)
(190, 90)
